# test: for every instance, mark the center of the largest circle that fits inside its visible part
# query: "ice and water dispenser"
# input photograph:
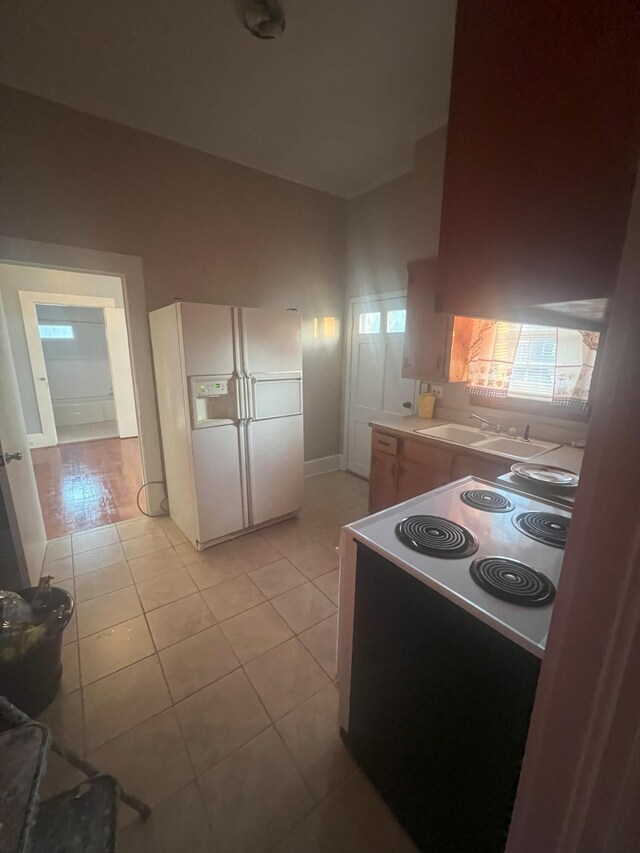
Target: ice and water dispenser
(213, 400)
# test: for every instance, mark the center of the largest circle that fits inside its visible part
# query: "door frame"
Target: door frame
(129, 269)
(352, 304)
(29, 300)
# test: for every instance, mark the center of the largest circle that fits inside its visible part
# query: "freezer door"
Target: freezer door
(208, 338)
(271, 341)
(275, 395)
(218, 461)
(275, 467)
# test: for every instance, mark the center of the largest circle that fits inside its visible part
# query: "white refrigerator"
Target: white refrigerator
(229, 389)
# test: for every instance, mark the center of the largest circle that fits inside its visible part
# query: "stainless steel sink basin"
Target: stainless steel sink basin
(456, 434)
(517, 449)
(480, 440)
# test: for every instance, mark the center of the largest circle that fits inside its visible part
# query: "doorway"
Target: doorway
(375, 386)
(78, 372)
(71, 355)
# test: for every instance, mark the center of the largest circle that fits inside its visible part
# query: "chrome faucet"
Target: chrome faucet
(488, 424)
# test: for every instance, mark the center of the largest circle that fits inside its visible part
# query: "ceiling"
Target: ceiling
(335, 104)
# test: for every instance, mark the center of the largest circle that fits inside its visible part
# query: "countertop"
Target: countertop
(405, 426)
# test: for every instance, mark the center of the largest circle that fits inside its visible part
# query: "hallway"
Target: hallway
(88, 484)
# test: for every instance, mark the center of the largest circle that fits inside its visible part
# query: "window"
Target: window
(369, 324)
(56, 332)
(525, 362)
(533, 371)
(396, 321)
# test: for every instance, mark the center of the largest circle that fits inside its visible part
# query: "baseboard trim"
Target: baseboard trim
(322, 466)
(36, 439)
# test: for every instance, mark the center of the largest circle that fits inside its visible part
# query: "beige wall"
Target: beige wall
(206, 229)
(396, 222)
(426, 193)
(378, 244)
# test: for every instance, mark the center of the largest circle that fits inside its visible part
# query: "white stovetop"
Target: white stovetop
(497, 536)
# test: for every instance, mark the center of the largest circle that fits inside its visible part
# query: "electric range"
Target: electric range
(445, 605)
(491, 522)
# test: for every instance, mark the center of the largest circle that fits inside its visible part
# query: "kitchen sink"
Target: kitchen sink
(470, 437)
(457, 434)
(518, 449)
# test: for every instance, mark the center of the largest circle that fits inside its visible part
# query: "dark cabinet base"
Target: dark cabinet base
(439, 710)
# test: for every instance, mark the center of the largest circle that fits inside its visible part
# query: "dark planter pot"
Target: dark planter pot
(32, 681)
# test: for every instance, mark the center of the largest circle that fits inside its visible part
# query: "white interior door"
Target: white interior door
(376, 385)
(48, 429)
(120, 363)
(20, 477)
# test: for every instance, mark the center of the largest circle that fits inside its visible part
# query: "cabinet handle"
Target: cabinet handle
(439, 361)
(384, 443)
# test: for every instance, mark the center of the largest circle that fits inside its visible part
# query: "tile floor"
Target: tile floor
(87, 484)
(206, 683)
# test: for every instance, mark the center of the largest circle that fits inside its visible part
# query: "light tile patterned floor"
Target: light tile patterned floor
(206, 683)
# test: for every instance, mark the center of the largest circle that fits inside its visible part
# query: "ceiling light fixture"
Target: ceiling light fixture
(264, 19)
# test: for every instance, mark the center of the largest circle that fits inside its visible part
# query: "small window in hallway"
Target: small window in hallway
(396, 321)
(56, 332)
(369, 324)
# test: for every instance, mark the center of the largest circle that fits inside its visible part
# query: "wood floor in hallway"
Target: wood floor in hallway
(88, 484)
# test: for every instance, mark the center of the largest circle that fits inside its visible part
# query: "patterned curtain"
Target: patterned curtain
(513, 360)
(575, 359)
(489, 366)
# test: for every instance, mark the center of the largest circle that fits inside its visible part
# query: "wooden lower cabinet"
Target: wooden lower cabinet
(402, 469)
(416, 478)
(382, 480)
(465, 466)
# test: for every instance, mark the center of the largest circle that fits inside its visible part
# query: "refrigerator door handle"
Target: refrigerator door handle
(250, 396)
(241, 405)
(247, 396)
(245, 472)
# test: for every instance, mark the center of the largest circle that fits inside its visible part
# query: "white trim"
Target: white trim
(37, 439)
(323, 465)
(29, 300)
(346, 374)
(124, 400)
(129, 269)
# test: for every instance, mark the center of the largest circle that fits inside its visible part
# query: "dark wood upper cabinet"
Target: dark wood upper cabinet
(541, 154)
(427, 339)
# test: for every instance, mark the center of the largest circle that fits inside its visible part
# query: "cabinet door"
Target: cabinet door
(427, 339)
(465, 466)
(382, 481)
(541, 152)
(416, 478)
(435, 457)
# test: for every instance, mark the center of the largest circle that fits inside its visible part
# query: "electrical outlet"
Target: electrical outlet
(437, 391)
